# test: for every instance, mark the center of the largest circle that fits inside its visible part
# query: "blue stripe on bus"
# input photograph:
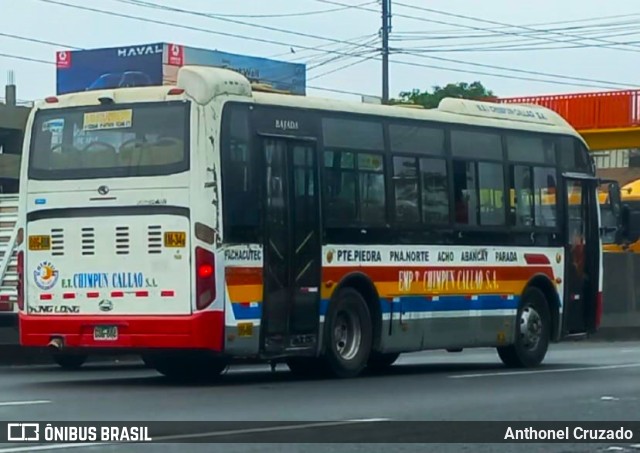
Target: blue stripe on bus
(409, 304)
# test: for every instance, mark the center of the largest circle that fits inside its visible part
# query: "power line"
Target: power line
(523, 27)
(487, 32)
(341, 68)
(610, 45)
(145, 4)
(192, 28)
(604, 31)
(37, 41)
(521, 71)
(414, 64)
(406, 63)
(356, 39)
(52, 63)
(617, 16)
(300, 14)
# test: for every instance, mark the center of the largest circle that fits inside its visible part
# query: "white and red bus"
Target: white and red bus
(204, 222)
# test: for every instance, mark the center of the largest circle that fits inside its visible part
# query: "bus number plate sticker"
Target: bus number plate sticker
(175, 239)
(39, 242)
(105, 333)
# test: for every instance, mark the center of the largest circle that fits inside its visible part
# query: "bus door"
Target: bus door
(582, 264)
(292, 246)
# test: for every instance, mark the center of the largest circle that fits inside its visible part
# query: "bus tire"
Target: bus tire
(184, 367)
(382, 361)
(70, 361)
(532, 334)
(348, 334)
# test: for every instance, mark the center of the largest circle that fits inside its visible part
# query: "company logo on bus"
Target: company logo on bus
(105, 305)
(330, 254)
(45, 276)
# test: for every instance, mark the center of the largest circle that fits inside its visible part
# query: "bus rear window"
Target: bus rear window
(110, 141)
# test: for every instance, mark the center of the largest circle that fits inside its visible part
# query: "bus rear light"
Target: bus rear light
(599, 307)
(20, 236)
(175, 91)
(205, 278)
(51, 100)
(20, 285)
(205, 270)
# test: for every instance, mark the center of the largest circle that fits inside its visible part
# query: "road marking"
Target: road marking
(231, 432)
(559, 370)
(23, 403)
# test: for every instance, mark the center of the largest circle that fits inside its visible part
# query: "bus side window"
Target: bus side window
(546, 196)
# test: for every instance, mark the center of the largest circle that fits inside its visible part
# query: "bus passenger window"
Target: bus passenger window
(405, 187)
(372, 188)
(521, 196)
(491, 183)
(435, 191)
(340, 186)
(466, 195)
(544, 181)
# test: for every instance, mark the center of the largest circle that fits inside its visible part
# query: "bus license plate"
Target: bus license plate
(105, 333)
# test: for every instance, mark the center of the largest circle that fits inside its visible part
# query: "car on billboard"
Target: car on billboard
(120, 80)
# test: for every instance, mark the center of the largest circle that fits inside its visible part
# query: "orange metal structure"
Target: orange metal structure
(607, 120)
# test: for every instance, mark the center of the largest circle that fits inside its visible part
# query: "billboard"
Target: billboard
(158, 64)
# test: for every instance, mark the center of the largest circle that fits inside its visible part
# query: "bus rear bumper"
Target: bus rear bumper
(203, 330)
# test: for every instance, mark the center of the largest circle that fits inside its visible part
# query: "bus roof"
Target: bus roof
(202, 84)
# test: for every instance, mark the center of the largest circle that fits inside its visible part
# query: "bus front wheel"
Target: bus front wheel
(533, 332)
(348, 334)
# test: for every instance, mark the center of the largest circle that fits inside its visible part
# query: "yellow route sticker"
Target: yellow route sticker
(113, 119)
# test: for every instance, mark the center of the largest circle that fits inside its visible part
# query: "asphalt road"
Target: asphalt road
(579, 382)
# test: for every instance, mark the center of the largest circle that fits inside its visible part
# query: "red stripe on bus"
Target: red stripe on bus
(142, 293)
(93, 295)
(167, 293)
(117, 294)
(536, 258)
(46, 297)
(243, 276)
(69, 296)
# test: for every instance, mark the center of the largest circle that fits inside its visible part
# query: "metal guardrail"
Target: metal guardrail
(584, 111)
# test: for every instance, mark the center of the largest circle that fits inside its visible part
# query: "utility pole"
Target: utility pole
(386, 28)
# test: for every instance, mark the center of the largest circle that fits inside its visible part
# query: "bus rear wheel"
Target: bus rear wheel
(533, 332)
(70, 361)
(186, 367)
(348, 334)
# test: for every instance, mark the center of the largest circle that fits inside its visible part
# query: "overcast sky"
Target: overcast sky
(423, 34)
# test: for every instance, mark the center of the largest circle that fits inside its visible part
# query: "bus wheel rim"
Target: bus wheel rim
(347, 334)
(530, 327)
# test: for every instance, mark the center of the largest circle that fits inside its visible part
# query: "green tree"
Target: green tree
(430, 100)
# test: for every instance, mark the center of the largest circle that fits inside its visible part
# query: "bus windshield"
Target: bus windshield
(110, 141)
